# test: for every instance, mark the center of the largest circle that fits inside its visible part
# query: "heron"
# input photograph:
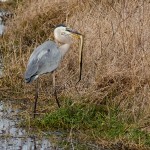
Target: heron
(47, 57)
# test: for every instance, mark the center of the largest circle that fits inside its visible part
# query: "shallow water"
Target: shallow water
(12, 137)
(4, 15)
(1, 67)
(2, 29)
(2, 26)
(4, 0)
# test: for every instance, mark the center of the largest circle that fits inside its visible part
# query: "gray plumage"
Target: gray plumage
(45, 58)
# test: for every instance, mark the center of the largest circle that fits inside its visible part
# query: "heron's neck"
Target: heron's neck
(64, 48)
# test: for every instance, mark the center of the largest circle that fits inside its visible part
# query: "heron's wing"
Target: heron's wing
(41, 48)
(45, 58)
(49, 61)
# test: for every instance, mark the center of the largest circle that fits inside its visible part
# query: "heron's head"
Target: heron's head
(64, 34)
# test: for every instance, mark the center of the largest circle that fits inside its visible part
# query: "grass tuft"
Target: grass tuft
(94, 121)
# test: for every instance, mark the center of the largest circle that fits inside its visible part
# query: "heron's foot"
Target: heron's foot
(34, 114)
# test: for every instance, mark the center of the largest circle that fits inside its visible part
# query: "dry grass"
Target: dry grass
(116, 51)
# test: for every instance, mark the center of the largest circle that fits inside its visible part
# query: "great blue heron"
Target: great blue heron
(47, 56)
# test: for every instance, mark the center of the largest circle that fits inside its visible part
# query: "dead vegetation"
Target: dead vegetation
(116, 59)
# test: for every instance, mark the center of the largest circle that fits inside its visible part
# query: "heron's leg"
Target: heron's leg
(36, 96)
(55, 92)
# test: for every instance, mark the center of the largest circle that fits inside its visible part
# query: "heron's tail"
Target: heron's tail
(30, 79)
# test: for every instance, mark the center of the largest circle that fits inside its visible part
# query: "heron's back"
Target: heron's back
(45, 58)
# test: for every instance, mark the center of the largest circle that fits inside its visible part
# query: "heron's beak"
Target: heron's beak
(74, 33)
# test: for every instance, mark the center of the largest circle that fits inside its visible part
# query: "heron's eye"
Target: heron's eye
(63, 33)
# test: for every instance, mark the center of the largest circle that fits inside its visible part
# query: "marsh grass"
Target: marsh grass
(93, 122)
(115, 64)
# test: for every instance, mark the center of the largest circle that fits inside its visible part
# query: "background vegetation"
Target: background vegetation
(116, 66)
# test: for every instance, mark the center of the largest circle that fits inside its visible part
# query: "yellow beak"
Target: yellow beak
(75, 35)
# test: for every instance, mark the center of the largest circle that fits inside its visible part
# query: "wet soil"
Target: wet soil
(12, 137)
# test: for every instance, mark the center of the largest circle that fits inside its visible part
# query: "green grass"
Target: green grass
(95, 122)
